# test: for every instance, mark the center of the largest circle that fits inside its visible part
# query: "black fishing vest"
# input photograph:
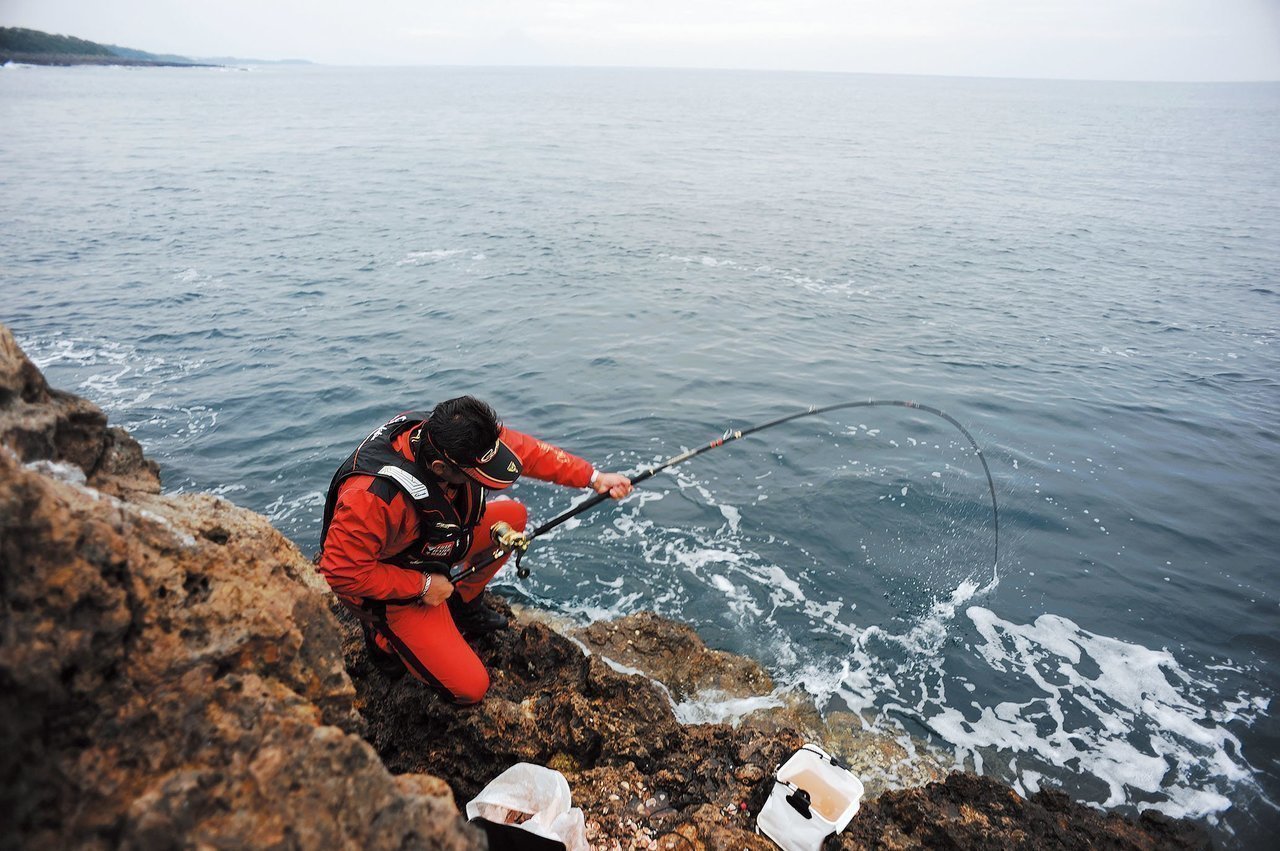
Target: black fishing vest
(444, 530)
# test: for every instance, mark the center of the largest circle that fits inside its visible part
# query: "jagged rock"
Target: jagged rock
(968, 811)
(168, 677)
(674, 655)
(38, 423)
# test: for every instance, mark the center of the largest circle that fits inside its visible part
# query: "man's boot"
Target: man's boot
(388, 664)
(475, 619)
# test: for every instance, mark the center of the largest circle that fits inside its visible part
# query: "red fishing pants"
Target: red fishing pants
(427, 640)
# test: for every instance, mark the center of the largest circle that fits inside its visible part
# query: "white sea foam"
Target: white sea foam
(722, 583)
(282, 510)
(715, 707)
(739, 599)
(928, 633)
(810, 283)
(127, 383)
(733, 515)
(417, 258)
(589, 612)
(697, 558)
(620, 667)
(1140, 724)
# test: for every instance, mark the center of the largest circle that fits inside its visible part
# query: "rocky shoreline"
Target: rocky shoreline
(69, 59)
(174, 675)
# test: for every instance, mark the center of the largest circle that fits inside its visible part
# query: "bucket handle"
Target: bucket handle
(821, 753)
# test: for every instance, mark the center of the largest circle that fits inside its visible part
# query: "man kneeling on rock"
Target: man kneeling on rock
(408, 505)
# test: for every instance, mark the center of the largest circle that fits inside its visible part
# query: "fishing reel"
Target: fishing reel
(508, 540)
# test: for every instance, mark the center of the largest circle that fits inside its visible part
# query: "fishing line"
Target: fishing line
(510, 540)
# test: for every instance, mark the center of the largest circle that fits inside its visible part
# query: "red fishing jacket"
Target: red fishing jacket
(371, 522)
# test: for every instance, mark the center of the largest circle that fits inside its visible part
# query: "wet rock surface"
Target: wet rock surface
(674, 655)
(172, 675)
(968, 811)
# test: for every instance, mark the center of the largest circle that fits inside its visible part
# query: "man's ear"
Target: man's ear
(439, 468)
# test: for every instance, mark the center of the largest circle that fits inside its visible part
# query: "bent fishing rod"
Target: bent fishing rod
(507, 539)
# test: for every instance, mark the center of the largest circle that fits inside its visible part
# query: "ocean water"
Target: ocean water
(251, 269)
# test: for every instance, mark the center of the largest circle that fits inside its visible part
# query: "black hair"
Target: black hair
(463, 429)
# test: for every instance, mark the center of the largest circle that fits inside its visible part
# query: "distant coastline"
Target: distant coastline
(81, 59)
(33, 47)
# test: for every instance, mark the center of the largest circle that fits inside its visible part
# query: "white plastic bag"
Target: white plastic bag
(533, 798)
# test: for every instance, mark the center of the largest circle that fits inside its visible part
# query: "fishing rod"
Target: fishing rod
(507, 539)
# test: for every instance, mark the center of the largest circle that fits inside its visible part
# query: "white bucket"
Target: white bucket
(799, 822)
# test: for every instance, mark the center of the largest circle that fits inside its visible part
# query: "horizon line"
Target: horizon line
(560, 66)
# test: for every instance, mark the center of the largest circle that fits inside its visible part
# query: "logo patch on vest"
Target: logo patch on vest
(415, 488)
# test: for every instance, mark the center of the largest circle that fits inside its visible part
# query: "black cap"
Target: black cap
(496, 468)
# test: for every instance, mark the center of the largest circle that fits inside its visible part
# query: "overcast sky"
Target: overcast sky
(1085, 39)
